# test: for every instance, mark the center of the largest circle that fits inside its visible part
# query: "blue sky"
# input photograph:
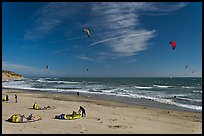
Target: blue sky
(129, 39)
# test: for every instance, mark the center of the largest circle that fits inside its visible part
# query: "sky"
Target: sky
(128, 39)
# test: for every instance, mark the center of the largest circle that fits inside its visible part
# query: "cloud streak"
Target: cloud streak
(85, 58)
(27, 70)
(24, 69)
(125, 17)
(123, 36)
(120, 22)
(49, 17)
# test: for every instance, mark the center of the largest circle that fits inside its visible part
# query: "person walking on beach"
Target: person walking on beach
(78, 93)
(81, 109)
(15, 98)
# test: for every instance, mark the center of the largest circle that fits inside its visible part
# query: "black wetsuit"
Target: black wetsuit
(7, 98)
(16, 98)
(83, 111)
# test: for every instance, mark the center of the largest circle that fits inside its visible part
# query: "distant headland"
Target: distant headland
(10, 75)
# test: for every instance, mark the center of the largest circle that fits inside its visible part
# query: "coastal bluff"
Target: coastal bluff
(10, 75)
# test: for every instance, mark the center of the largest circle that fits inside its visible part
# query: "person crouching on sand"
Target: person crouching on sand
(81, 109)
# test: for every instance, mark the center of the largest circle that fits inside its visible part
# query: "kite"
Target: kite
(87, 31)
(173, 44)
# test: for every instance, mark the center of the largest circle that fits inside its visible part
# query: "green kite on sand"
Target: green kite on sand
(72, 116)
(36, 107)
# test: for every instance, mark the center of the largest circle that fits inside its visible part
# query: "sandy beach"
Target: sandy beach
(103, 117)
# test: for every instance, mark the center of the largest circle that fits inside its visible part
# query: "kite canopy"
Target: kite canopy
(173, 44)
(86, 30)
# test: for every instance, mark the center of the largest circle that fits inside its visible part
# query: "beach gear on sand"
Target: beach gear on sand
(36, 107)
(17, 118)
(72, 116)
(5, 98)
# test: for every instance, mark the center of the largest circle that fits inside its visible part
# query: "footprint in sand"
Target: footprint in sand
(113, 119)
(116, 126)
(83, 128)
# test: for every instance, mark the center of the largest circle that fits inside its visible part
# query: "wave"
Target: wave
(143, 87)
(169, 101)
(65, 82)
(43, 89)
(162, 86)
(194, 107)
(197, 91)
(188, 99)
(187, 87)
(106, 90)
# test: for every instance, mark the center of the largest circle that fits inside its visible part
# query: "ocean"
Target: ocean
(169, 93)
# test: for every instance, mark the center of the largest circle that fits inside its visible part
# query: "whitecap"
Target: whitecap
(143, 87)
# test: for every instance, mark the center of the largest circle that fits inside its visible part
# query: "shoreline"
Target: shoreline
(119, 117)
(119, 99)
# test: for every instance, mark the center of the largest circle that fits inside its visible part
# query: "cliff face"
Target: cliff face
(9, 75)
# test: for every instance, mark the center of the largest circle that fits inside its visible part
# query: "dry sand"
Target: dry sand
(103, 117)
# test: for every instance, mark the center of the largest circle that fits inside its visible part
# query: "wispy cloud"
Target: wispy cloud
(28, 70)
(61, 50)
(83, 57)
(49, 17)
(24, 69)
(124, 17)
(123, 36)
(115, 25)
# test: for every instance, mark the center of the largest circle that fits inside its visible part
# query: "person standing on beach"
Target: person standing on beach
(81, 109)
(7, 98)
(78, 93)
(15, 98)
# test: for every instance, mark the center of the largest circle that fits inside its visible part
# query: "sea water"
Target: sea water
(169, 93)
